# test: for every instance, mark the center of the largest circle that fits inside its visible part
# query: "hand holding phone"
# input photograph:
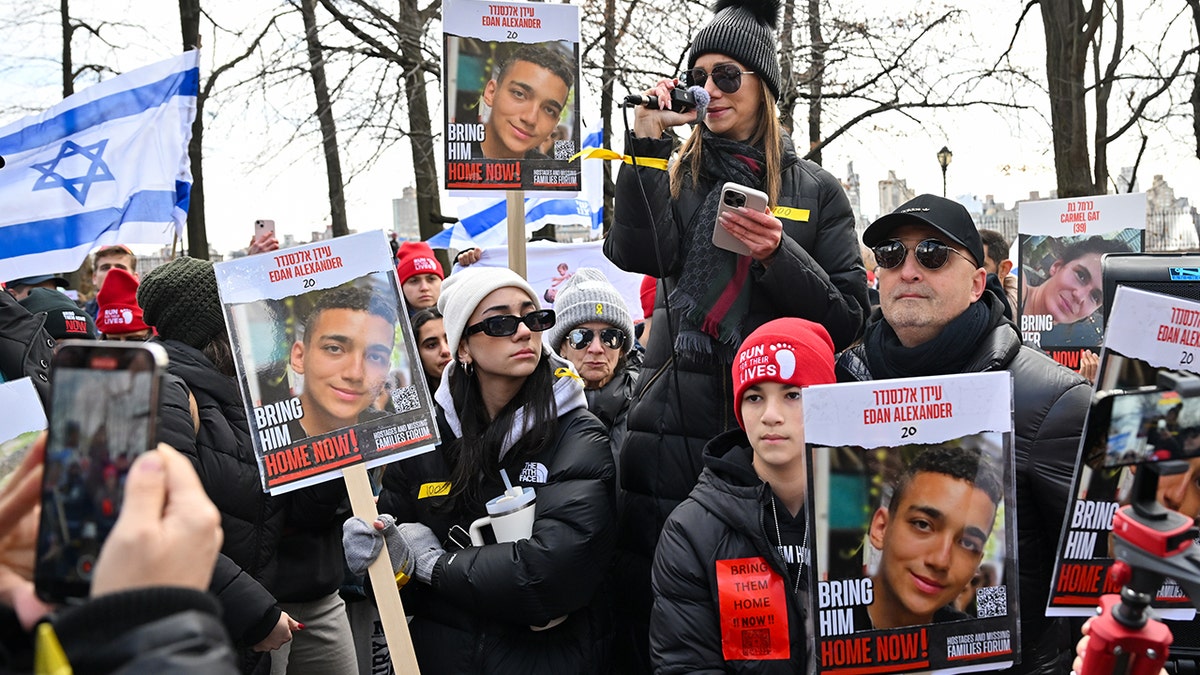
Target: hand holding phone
(169, 532)
(734, 196)
(103, 410)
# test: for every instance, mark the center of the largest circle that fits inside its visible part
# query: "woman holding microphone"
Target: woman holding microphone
(803, 261)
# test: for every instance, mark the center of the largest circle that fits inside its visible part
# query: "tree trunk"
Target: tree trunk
(197, 236)
(1069, 29)
(333, 165)
(420, 131)
(1195, 5)
(68, 78)
(816, 77)
(606, 102)
(788, 85)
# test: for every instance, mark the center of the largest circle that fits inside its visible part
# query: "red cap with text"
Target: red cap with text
(789, 351)
(415, 257)
(118, 310)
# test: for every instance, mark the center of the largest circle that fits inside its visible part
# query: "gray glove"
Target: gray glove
(412, 547)
(362, 543)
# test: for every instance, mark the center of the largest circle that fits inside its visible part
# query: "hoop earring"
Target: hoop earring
(467, 367)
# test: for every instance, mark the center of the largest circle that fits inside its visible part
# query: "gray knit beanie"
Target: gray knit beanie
(180, 300)
(743, 30)
(464, 290)
(589, 296)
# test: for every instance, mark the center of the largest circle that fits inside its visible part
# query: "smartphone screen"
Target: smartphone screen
(1146, 424)
(103, 403)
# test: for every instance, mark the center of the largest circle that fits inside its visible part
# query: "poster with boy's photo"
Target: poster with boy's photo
(511, 81)
(1149, 332)
(911, 481)
(1060, 244)
(326, 360)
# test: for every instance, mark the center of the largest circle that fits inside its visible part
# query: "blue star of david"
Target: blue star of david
(79, 186)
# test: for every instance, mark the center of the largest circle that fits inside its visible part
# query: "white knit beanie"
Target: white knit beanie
(464, 290)
(588, 296)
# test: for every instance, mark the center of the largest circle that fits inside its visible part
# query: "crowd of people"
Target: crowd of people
(647, 462)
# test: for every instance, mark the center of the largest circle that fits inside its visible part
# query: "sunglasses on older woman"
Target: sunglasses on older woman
(581, 338)
(726, 76)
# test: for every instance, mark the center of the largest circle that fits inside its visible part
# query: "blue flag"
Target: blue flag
(108, 165)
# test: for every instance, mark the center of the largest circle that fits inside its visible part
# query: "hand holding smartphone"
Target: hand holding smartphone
(262, 228)
(103, 410)
(734, 196)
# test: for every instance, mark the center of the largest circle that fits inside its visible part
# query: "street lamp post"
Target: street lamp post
(944, 156)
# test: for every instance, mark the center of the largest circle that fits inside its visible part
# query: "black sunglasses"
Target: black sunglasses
(726, 76)
(581, 338)
(506, 324)
(931, 254)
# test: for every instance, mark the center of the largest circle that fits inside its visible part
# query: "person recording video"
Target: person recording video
(803, 262)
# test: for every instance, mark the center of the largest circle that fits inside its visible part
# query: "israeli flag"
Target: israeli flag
(108, 165)
(482, 222)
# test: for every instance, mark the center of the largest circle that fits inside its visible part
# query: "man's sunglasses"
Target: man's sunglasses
(726, 76)
(931, 254)
(581, 338)
(506, 324)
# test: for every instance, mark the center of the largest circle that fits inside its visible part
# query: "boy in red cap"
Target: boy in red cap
(420, 275)
(118, 315)
(743, 531)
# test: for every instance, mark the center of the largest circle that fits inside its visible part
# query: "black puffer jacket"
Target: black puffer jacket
(223, 454)
(1050, 405)
(476, 615)
(817, 274)
(723, 519)
(25, 346)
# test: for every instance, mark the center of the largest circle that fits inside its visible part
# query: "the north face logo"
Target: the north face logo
(534, 472)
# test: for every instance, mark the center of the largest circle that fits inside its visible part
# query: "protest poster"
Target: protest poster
(550, 264)
(511, 81)
(1060, 292)
(911, 487)
(1148, 332)
(326, 360)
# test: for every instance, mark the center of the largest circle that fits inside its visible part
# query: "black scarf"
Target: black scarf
(713, 290)
(945, 354)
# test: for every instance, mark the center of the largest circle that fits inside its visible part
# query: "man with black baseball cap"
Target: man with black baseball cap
(20, 288)
(937, 317)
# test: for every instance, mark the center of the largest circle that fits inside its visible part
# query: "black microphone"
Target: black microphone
(682, 100)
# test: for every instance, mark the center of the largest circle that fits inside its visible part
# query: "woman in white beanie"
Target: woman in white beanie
(802, 261)
(506, 405)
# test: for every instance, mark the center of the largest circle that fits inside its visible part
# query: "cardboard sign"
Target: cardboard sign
(1060, 297)
(1148, 331)
(915, 548)
(326, 359)
(753, 604)
(511, 82)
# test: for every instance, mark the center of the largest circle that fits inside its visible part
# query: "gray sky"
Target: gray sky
(247, 177)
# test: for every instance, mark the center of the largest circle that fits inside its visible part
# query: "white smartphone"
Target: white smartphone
(734, 196)
(262, 227)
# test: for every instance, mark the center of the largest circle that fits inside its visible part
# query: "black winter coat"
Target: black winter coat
(475, 616)
(817, 274)
(722, 519)
(25, 346)
(1050, 405)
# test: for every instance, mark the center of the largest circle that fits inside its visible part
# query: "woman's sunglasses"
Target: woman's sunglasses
(931, 253)
(506, 324)
(581, 338)
(726, 76)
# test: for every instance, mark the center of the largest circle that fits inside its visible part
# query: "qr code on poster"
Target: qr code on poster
(991, 601)
(563, 150)
(756, 642)
(406, 399)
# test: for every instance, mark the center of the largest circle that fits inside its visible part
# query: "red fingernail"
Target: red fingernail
(299, 626)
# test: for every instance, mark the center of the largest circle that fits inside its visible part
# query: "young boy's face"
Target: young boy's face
(773, 414)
